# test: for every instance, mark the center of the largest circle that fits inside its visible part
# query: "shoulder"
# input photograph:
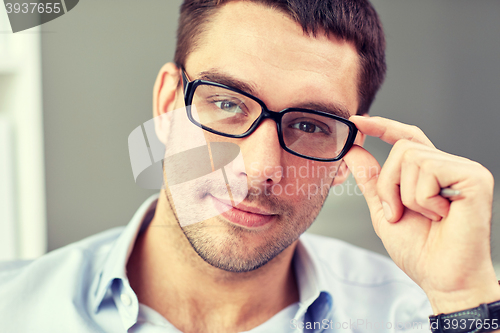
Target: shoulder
(365, 284)
(62, 259)
(55, 283)
(350, 264)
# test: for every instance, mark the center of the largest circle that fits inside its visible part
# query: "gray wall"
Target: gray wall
(101, 59)
(99, 64)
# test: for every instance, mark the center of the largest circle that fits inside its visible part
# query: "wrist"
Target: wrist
(448, 302)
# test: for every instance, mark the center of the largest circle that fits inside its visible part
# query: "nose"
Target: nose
(262, 155)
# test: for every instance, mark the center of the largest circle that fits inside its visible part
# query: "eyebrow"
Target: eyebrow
(332, 108)
(216, 76)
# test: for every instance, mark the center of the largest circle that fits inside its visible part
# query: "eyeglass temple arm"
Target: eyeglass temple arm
(185, 79)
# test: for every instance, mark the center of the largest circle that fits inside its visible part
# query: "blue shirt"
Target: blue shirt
(83, 287)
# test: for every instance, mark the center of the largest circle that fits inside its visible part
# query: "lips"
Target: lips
(246, 216)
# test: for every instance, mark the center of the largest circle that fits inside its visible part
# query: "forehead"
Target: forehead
(269, 50)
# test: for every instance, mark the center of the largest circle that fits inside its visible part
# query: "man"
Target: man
(246, 269)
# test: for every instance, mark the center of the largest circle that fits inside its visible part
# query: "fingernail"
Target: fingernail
(387, 210)
(355, 116)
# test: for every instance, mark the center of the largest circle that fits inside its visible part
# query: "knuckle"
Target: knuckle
(428, 165)
(416, 131)
(484, 175)
(416, 135)
(401, 144)
(410, 155)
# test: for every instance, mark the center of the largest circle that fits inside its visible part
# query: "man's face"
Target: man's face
(267, 51)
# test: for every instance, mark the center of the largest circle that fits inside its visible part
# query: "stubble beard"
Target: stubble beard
(229, 247)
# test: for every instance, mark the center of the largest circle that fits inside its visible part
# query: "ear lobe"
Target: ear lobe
(165, 97)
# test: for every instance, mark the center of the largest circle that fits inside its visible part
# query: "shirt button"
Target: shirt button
(126, 300)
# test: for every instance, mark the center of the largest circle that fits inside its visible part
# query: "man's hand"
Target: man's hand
(442, 244)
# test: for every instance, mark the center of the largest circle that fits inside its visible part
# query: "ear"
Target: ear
(167, 96)
(343, 170)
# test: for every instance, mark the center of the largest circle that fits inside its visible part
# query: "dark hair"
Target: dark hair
(352, 20)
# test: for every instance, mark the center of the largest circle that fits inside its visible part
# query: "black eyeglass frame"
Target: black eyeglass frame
(190, 87)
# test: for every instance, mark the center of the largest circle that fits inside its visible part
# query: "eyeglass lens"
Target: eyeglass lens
(232, 113)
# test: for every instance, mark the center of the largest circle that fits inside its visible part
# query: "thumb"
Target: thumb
(365, 169)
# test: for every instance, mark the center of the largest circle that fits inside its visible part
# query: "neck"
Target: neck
(169, 276)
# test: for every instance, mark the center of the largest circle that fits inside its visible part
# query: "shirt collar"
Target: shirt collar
(313, 292)
(315, 300)
(114, 266)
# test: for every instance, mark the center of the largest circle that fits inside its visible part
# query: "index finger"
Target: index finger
(389, 130)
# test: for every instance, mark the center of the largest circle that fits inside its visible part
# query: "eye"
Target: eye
(229, 106)
(307, 127)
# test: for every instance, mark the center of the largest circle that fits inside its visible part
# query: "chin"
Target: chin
(235, 249)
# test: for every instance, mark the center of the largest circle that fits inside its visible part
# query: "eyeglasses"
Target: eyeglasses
(233, 113)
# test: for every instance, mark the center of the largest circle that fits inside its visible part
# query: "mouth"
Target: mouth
(243, 215)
